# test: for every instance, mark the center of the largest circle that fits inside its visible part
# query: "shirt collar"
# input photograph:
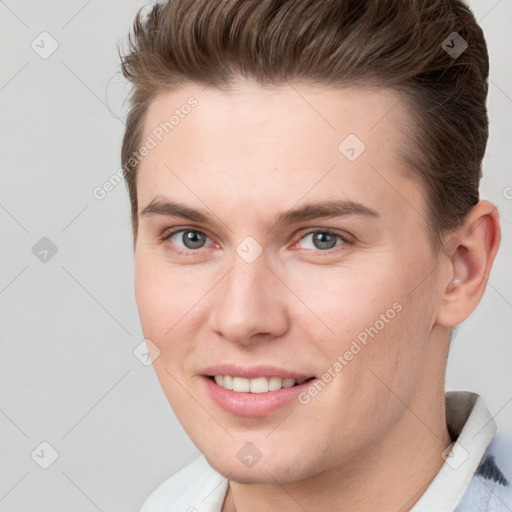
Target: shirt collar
(472, 427)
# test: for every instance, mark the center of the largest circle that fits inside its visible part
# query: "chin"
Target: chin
(267, 470)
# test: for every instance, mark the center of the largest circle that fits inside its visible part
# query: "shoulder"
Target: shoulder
(491, 485)
(195, 488)
(496, 464)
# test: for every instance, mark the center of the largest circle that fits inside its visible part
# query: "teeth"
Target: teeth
(241, 384)
(274, 383)
(288, 383)
(228, 382)
(257, 385)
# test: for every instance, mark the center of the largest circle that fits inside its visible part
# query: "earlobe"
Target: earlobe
(474, 247)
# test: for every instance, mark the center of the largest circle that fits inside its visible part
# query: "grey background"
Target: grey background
(69, 325)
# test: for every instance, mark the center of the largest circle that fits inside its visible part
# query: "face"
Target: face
(281, 238)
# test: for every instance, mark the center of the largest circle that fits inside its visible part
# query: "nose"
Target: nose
(249, 303)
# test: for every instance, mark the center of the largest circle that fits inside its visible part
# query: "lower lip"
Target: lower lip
(253, 404)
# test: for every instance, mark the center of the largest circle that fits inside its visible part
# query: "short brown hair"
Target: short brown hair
(398, 44)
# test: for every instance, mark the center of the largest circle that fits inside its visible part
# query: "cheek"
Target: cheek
(344, 301)
(156, 298)
(149, 295)
(158, 288)
(369, 313)
(170, 305)
(377, 338)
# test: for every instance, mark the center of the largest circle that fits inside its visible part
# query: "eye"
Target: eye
(186, 239)
(323, 240)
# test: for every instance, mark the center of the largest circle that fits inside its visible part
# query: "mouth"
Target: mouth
(256, 385)
(257, 396)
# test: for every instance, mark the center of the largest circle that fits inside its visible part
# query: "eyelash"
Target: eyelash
(345, 239)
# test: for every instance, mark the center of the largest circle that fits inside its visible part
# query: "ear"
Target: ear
(471, 252)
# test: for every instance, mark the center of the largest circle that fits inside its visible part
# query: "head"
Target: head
(303, 179)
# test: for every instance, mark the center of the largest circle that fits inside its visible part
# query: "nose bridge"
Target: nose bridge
(248, 302)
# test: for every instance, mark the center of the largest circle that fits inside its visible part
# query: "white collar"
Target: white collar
(471, 424)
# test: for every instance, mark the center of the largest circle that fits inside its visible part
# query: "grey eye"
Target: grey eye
(190, 239)
(322, 240)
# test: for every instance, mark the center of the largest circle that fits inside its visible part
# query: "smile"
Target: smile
(256, 385)
(256, 396)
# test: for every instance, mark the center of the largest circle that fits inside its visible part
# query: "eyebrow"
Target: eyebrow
(326, 209)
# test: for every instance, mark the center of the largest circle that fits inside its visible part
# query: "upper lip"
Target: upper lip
(253, 372)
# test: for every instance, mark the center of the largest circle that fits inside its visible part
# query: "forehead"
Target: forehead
(255, 145)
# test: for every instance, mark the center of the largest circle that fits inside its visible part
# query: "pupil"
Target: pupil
(192, 239)
(324, 240)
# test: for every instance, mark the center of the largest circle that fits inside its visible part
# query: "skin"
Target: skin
(244, 156)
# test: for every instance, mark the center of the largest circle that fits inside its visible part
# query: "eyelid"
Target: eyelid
(167, 233)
